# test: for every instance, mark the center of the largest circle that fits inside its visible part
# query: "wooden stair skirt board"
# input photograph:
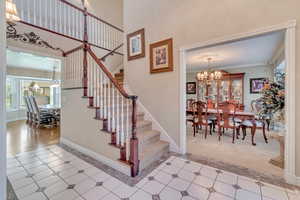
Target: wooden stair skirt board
(150, 147)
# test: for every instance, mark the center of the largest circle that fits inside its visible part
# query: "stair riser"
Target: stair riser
(139, 128)
(148, 142)
(147, 127)
(146, 163)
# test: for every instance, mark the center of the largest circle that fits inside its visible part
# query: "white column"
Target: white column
(290, 102)
(2, 104)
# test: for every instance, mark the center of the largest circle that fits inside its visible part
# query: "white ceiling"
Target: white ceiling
(30, 61)
(252, 51)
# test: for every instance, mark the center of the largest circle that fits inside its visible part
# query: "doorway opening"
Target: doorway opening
(238, 70)
(33, 100)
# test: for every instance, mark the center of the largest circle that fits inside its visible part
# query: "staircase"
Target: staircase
(150, 147)
(129, 131)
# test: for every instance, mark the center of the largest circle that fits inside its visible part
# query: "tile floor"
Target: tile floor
(55, 174)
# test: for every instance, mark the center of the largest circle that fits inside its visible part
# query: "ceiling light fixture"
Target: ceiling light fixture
(208, 76)
(11, 11)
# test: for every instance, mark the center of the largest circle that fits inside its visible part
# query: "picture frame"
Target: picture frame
(191, 88)
(136, 45)
(161, 56)
(257, 85)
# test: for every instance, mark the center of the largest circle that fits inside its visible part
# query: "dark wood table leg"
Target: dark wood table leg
(253, 130)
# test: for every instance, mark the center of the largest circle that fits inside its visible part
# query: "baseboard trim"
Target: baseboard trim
(292, 179)
(113, 164)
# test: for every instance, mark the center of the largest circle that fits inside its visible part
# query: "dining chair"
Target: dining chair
(200, 117)
(226, 119)
(30, 113)
(256, 107)
(189, 107)
(257, 122)
(41, 117)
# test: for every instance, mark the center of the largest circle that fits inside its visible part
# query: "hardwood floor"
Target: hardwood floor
(22, 137)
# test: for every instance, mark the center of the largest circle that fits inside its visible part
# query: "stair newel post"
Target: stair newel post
(134, 155)
(85, 63)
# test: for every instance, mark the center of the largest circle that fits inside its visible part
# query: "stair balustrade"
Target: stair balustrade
(112, 104)
(68, 20)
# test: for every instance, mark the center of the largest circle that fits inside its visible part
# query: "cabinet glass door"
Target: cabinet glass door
(213, 91)
(201, 91)
(237, 90)
(224, 90)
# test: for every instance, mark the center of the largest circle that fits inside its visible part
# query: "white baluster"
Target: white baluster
(127, 118)
(60, 17)
(109, 105)
(104, 97)
(65, 19)
(28, 11)
(101, 97)
(122, 122)
(97, 86)
(89, 76)
(127, 129)
(118, 120)
(113, 110)
(94, 83)
(76, 24)
(34, 12)
(22, 9)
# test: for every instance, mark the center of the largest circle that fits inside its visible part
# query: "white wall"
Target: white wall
(79, 126)
(2, 104)
(190, 22)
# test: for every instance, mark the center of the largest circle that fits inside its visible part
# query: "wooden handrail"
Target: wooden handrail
(72, 5)
(105, 22)
(111, 52)
(108, 74)
(66, 36)
(73, 50)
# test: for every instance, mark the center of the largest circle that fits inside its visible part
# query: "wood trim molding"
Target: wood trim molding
(143, 53)
(2, 103)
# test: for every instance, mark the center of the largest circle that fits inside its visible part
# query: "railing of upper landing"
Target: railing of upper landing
(66, 19)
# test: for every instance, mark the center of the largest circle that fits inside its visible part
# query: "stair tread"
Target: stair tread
(156, 147)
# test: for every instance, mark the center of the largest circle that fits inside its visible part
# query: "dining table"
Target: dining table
(242, 115)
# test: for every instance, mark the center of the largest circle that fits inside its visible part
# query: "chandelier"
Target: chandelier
(11, 11)
(209, 75)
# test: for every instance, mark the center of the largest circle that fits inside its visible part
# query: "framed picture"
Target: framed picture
(161, 56)
(191, 87)
(136, 45)
(256, 85)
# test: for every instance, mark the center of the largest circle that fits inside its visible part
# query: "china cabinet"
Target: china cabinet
(229, 88)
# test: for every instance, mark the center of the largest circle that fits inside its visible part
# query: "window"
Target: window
(11, 94)
(45, 91)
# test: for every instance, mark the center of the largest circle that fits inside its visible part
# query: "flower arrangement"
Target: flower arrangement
(273, 97)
